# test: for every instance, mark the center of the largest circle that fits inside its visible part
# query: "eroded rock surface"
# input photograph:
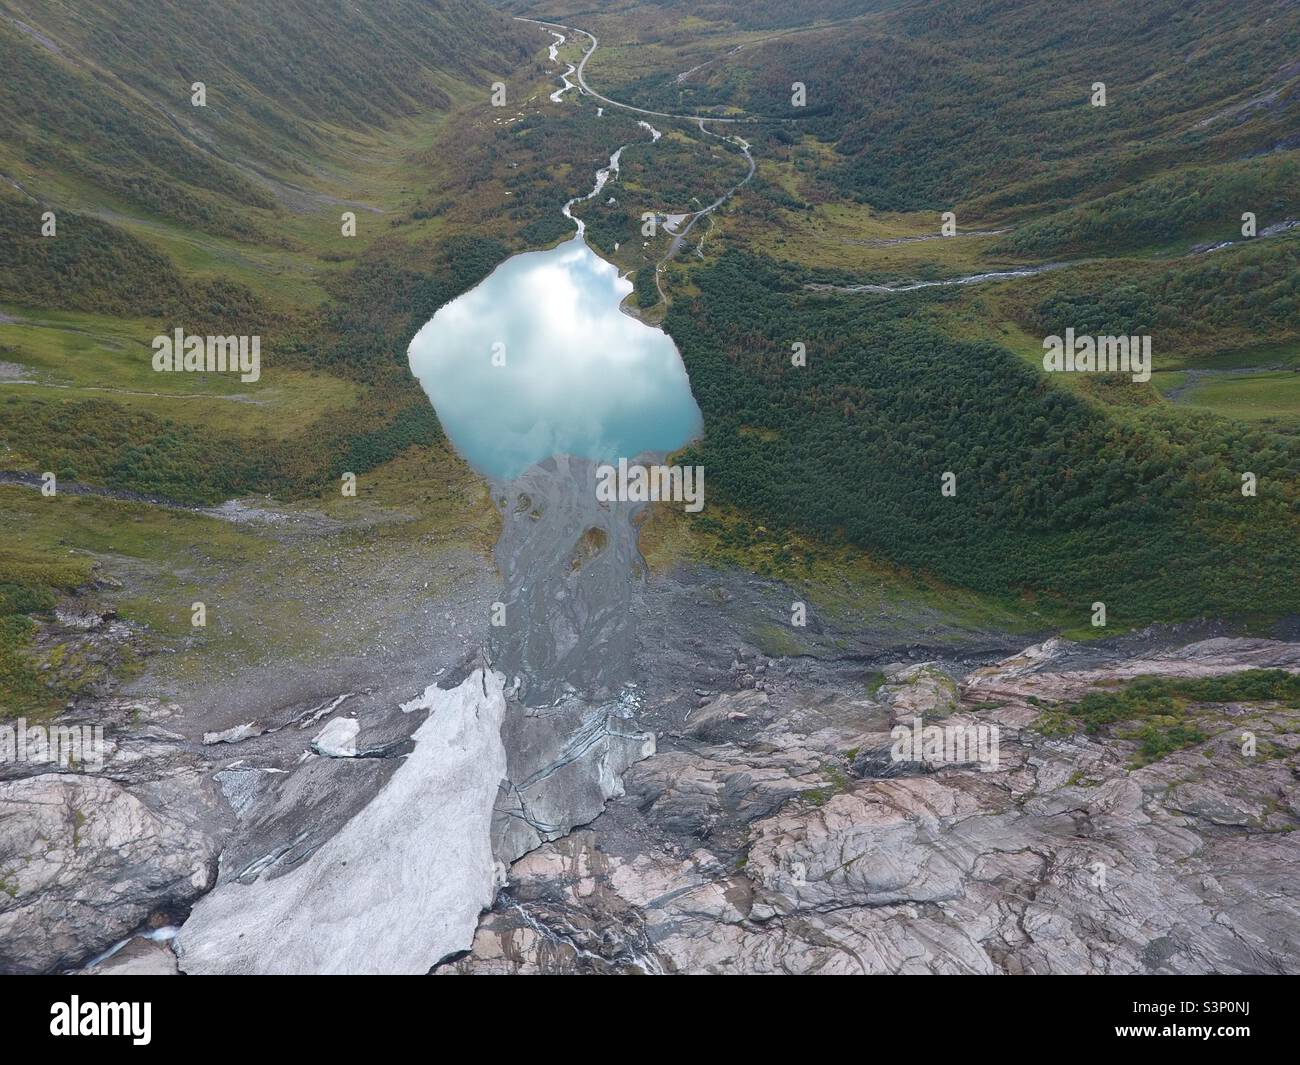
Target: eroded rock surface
(84, 861)
(719, 808)
(564, 764)
(778, 849)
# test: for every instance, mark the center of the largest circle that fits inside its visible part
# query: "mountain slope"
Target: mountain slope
(102, 93)
(1071, 488)
(934, 103)
(225, 220)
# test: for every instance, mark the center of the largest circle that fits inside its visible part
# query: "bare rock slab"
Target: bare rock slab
(83, 862)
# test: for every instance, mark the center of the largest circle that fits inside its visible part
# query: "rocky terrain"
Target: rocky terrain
(626, 776)
(775, 834)
(710, 808)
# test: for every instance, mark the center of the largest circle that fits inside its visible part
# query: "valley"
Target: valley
(453, 710)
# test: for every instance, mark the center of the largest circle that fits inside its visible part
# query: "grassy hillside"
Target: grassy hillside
(100, 93)
(927, 106)
(226, 219)
(1071, 489)
(1179, 206)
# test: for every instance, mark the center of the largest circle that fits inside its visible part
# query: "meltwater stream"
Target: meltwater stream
(538, 377)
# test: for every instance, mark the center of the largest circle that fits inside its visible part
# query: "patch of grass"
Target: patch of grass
(1161, 713)
(837, 784)
(855, 239)
(176, 554)
(875, 681)
(30, 583)
(406, 515)
(1249, 397)
(1161, 737)
(844, 581)
(778, 641)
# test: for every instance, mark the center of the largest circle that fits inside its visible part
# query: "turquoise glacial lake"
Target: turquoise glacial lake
(537, 360)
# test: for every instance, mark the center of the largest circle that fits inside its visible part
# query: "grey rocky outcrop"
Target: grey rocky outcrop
(564, 764)
(770, 829)
(768, 853)
(84, 861)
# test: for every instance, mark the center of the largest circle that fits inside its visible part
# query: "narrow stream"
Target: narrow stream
(602, 176)
(555, 58)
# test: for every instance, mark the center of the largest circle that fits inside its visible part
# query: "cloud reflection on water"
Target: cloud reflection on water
(581, 378)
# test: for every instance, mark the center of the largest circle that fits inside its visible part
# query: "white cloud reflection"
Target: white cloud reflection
(581, 378)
